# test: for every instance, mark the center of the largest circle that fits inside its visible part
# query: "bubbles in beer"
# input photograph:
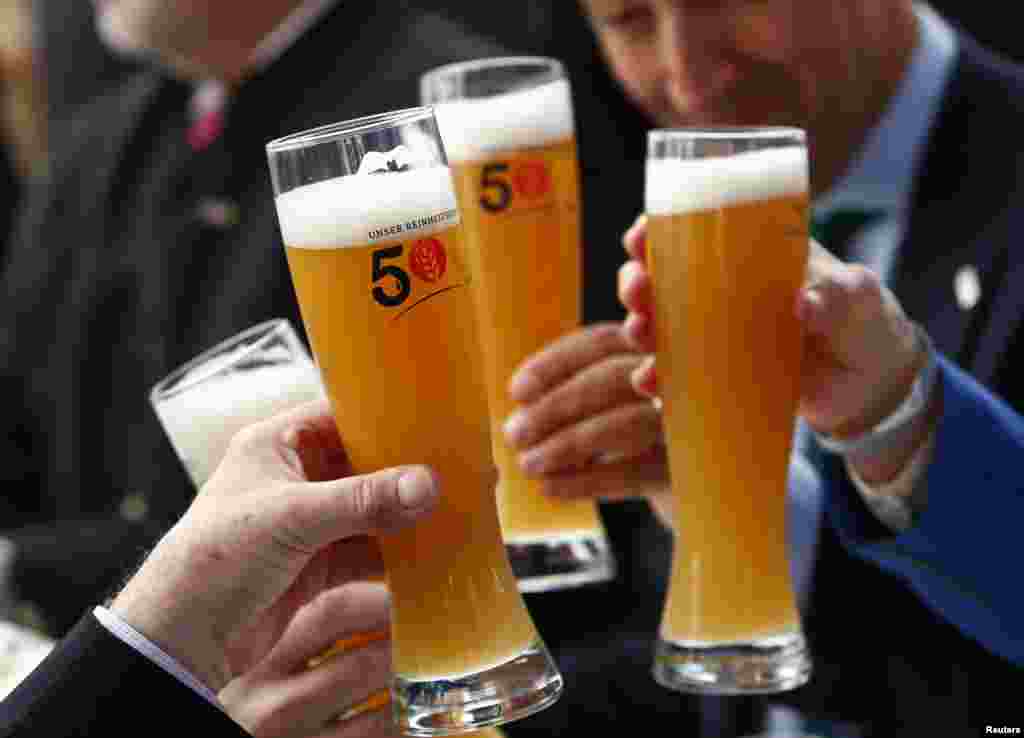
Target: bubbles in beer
(359, 209)
(474, 127)
(682, 186)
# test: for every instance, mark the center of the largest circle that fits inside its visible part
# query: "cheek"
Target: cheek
(636, 69)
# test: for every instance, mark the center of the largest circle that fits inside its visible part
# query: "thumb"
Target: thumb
(380, 502)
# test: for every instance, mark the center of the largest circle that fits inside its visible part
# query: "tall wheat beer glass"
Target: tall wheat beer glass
(727, 244)
(508, 129)
(370, 224)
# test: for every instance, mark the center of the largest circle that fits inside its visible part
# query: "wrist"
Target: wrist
(887, 463)
(880, 452)
(159, 604)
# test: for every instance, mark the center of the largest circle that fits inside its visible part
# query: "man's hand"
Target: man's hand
(277, 524)
(286, 694)
(861, 353)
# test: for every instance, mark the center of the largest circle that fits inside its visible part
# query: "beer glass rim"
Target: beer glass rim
(729, 133)
(347, 128)
(556, 67)
(169, 386)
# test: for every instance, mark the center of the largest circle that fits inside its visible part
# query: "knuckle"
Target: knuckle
(607, 335)
(326, 611)
(865, 286)
(295, 515)
(245, 440)
(365, 497)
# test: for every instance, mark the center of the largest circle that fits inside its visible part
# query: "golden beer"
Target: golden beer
(516, 176)
(389, 313)
(525, 259)
(727, 247)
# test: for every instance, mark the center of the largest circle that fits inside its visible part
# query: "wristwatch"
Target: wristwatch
(893, 429)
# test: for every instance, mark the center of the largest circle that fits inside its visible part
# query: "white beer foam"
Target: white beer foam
(201, 420)
(348, 211)
(686, 185)
(476, 127)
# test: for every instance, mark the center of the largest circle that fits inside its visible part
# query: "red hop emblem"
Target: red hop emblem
(532, 179)
(427, 259)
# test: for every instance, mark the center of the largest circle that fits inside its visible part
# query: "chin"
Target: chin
(117, 33)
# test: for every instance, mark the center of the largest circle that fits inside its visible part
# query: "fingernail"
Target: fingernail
(515, 427)
(416, 489)
(522, 386)
(532, 462)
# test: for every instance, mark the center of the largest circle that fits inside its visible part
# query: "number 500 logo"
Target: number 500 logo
(427, 261)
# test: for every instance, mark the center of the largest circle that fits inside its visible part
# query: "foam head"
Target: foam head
(201, 419)
(472, 128)
(359, 209)
(686, 185)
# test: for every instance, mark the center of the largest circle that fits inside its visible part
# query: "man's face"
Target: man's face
(152, 28)
(736, 62)
(193, 37)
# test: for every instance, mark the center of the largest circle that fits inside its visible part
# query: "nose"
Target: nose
(694, 53)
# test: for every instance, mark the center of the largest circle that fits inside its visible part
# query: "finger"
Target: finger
(635, 290)
(345, 645)
(625, 430)
(346, 613)
(318, 514)
(641, 476)
(645, 378)
(277, 444)
(377, 722)
(635, 239)
(587, 393)
(840, 296)
(561, 359)
(346, 686)
(638, 331)
(312, 699)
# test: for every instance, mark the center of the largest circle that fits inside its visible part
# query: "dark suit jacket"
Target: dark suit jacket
(93, 684)
(895, 647)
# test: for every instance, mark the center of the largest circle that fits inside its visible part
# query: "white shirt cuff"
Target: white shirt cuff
(133, 638)
(896, 502)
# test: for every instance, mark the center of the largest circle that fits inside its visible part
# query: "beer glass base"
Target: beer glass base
(546, 564)
(503, 693)
(764, 666)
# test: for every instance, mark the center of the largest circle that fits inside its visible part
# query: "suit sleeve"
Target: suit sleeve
(957, 554)
(94, 684)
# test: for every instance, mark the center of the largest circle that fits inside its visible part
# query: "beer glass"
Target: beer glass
(508, 129)
(727, 248)
(369, 219)
(242, 380)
